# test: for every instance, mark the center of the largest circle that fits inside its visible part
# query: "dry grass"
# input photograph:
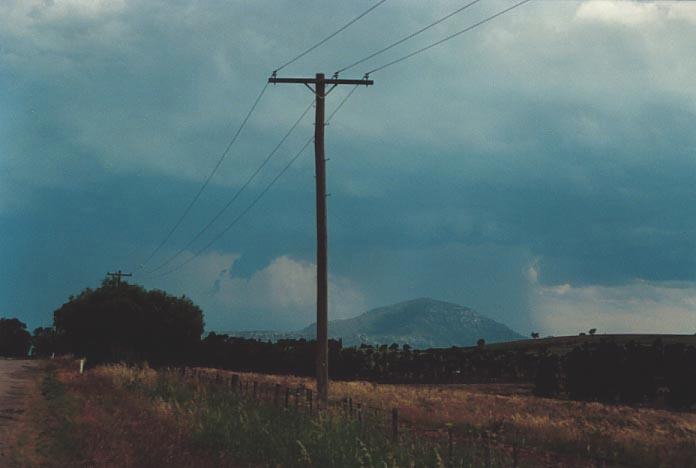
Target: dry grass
(116, 416)
(640, 436)
(237, 430)
(121, 416)
(98, 420)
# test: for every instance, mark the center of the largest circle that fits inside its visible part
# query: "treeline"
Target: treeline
(603, 370)
(628, 373)
(384, 364)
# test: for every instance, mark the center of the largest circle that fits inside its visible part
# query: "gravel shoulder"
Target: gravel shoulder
(18, 380)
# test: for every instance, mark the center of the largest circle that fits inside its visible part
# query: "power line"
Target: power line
(260, 195)
(239, 191)
(343, 28)
(244, 212)
(451, 36)
(340, 104)
(406, 38)
(207, 180)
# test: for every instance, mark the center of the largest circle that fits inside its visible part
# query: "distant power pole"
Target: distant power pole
(320, 82)
(118, 276)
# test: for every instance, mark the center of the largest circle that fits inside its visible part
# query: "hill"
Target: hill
(560, 345)
(421, 323)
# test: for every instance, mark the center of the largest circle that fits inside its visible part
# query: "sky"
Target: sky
(540, 168)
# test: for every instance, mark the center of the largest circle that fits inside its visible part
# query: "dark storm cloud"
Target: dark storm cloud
(559, 139)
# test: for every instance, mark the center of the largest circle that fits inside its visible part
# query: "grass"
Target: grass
(634, 436)
(247, 432)
(87, 421)
(118, 416)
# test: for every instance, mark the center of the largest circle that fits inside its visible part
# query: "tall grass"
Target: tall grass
(628, 435)
(141, 417)
(250, 432)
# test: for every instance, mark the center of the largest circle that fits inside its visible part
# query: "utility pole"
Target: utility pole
(320, 82)
(118, 276)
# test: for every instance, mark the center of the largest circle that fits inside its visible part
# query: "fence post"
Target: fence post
(297, 398)
(360, 416)
(450, 444)
(350, 407)
(309, 400)
(487, 437)
(255, 389)
(287, 396)
(395, 424)
(276, 394)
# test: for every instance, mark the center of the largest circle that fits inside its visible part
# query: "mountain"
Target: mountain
(421, 323)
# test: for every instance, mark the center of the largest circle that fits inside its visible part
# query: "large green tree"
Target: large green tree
(124, 322)
(15, 340)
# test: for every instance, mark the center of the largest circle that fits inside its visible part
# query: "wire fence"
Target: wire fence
(502, 445)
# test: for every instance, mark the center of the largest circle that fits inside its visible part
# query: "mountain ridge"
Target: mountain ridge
(421, 323)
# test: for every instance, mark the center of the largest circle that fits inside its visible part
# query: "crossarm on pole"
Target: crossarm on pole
(328, 81)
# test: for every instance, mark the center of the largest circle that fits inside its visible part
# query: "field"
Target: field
(126, 417)
(633, 436)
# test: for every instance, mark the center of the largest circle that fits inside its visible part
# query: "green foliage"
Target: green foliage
(15, 340)
(129, 323)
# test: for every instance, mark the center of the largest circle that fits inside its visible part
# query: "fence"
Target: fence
(499, 447)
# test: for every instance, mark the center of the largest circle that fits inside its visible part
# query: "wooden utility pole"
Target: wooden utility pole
(320, 82)
(118, 276)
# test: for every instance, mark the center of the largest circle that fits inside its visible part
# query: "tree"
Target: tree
(592, 331)
(129, 323)
(535, 335)
(481, 343)
(15, 340)
(47, 341)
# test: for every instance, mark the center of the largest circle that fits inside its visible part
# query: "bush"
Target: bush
(15, 340)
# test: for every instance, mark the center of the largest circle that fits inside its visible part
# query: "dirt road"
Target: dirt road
(16, 380)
